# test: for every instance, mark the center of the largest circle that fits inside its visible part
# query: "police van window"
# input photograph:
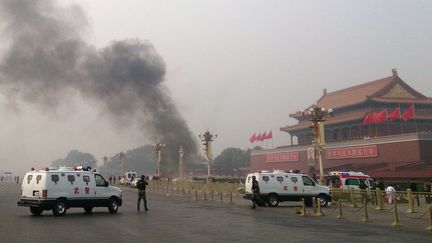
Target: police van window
(266, 178)
(280, 179)
(29, 177)
(38, 178)
(100, 181)
(307, 181)
(294, 179)
(55, 178)
(352, 182)
(71, 178)
(86, 179)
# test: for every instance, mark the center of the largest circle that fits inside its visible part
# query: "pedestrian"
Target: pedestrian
(427, 188)
(114, 178)
(414, 191)
(141, 185)
(110, 179)
(391, 194)
(381, 185)
(256, 191)
(363, 191)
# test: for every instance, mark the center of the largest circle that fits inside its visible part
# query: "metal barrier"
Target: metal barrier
(348, 200)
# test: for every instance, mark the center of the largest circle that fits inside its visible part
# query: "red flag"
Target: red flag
(380, 117)
(368, 119)
(408, 113)
(253, 138)
(258, 138)
(264, 136)
(269, 135)
(394, 115)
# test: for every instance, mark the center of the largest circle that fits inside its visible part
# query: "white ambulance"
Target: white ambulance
(279, 186)
(348, 179)
(66, 187)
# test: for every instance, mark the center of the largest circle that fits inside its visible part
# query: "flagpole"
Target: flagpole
(376, 126)
(400, 119)
(388, 124)
(415, 118)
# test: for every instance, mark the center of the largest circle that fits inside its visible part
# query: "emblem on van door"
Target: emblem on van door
(87, 190)
(76, 190)
(295, 188)
(285, 188)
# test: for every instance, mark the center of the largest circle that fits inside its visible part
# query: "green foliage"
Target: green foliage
(232, 158)
(76, 158)
(139, 159)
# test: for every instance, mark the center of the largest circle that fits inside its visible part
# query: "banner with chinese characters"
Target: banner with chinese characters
(282, 157)
(352, 152)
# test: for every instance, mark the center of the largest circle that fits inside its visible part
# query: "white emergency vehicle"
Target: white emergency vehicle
(128, 178)
(279, 186)
(348, 179)
(66, 187)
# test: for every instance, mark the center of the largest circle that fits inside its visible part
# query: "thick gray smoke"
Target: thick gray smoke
(47, 57)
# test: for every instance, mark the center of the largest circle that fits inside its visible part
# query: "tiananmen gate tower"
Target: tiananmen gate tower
(382, 128)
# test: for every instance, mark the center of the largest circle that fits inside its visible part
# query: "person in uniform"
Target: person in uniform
(256, 191)
(141, 185)
(363, 191)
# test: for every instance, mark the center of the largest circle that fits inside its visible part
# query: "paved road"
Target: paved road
(175, 219)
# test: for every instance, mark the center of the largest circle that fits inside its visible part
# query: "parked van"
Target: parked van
(279, 186)
(66, 187)
(347, 180)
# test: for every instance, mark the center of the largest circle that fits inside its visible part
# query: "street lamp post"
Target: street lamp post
(181, 153)
(158, 147)
(207, 138)
(317, 118)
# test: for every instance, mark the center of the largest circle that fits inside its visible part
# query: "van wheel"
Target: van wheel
(36, 211)
(113, 205)
(272, 200)
(323, 200)
(88, 210)
(59, 208)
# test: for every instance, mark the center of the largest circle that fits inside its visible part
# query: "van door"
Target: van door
(309, 186)
(101, 189)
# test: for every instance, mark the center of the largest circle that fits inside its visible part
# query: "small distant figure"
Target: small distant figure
(114, 179)
(363, 191)
(256, 191)
(381, 185)
(141, 185)
(427, 187)
(391, 194)
(110, 180)
(414, 190)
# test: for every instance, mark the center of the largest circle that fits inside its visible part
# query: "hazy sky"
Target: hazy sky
(235, 67)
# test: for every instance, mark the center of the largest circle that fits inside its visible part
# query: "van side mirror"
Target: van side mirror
(106, 183)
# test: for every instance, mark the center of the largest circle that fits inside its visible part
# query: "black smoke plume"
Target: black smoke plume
(47, 56)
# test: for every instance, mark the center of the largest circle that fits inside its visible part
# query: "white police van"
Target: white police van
(279, 186)
(66, 187)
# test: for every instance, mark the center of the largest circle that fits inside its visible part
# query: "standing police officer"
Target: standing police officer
(141, 185)
(256, 191)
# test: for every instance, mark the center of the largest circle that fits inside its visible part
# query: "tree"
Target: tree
(76, 158)
(232, 158)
